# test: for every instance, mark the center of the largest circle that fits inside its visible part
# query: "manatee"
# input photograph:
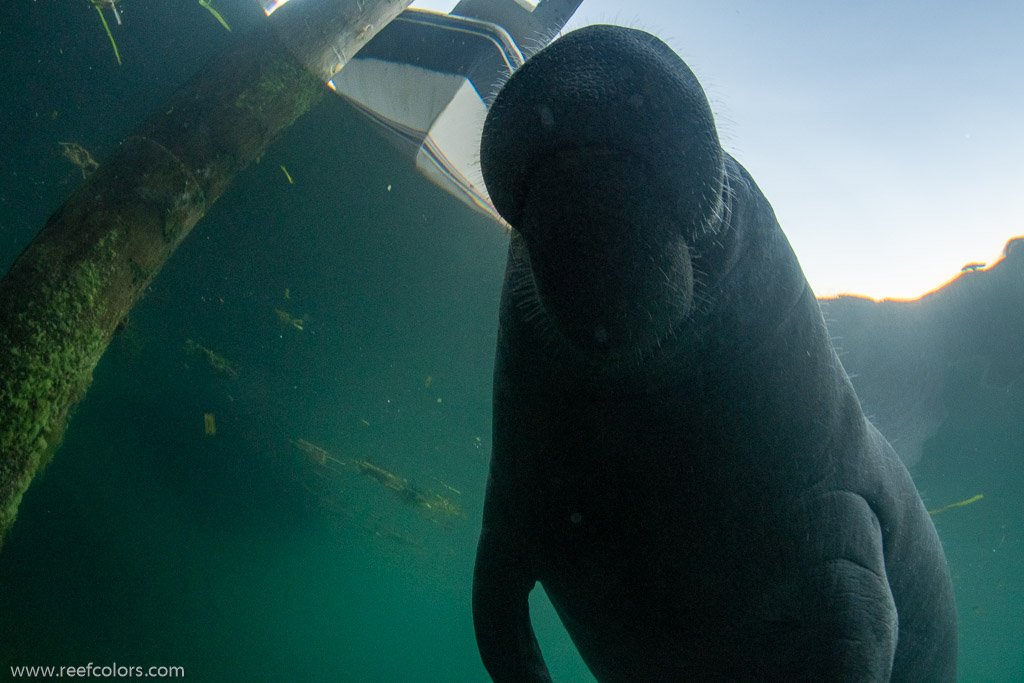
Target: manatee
(679, 457)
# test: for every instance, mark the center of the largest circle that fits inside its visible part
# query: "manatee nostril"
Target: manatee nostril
(547, 117)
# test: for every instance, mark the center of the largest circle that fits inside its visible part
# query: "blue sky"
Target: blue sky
(888, 136)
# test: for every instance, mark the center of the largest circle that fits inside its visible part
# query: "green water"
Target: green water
(148, 542)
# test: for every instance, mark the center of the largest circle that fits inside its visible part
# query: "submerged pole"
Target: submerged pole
(66, 294)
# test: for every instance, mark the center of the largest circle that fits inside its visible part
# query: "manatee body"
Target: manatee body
(679, 457)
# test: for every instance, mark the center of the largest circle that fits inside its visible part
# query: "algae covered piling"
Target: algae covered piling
(64, 297)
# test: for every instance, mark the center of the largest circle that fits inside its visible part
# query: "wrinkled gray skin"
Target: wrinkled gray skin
(679, 457)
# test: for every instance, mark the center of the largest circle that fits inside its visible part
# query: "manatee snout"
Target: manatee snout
(601, 152)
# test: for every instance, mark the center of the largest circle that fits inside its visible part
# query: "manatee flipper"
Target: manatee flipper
(502, 582)
(850, 633)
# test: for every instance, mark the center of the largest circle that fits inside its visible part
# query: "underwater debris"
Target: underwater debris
(316, 454)
(288, 319)
(216, 361)
(427, 502)
(215, 13)
(288, 176)
(448, 486)
(958, 504)
(112, 4)
(80, 157)
(209, 424)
